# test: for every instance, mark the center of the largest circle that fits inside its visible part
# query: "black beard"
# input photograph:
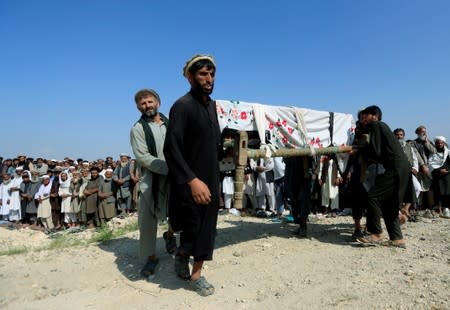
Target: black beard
(200, 90)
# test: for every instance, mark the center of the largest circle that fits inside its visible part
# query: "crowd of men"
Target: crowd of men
(176, 176)
(52, 194)
(90, 193)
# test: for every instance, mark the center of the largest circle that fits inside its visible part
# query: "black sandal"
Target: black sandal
(171, 243)
(149, 268)
(182, 267)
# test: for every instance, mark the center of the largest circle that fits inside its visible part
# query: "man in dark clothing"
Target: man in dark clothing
(91, 194)
(55, 200)
(298, 182)
(391, 186)
(191, 150)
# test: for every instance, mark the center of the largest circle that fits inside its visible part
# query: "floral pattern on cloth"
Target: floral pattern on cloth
(234, 115)
(281, 124)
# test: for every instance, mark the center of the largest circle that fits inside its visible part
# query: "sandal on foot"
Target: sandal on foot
(301, 232)
(171, 243)
(202, 287)
(369, 241)
(358, 234)
(149, 268)
(392, 244)
(182, 267)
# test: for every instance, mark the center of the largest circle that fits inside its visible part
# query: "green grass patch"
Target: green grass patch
(14, 251)
(64, 240)
(105, 233)
(102, 234)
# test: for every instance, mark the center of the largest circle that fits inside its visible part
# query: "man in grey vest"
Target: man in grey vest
(147, 141)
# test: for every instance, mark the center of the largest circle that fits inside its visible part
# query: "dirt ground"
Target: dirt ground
(257, 265)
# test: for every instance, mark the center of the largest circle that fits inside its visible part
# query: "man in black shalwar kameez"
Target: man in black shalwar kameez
(391, 187)
(191, 150)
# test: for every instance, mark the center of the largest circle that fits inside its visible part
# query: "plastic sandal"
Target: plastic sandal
(289, 219)
(202, 287)
(369, 241)
(390, 243)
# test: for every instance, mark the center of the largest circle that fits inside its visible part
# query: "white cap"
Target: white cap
(441, 138)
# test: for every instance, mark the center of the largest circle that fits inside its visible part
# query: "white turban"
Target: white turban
(441, 138)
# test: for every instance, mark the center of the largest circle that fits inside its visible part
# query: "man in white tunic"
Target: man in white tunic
(45, 208)
(5, 196)
(15, 213)
(329, 180)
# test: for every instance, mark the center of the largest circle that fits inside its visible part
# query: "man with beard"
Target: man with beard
(107, 204)
(440, 170)
(91, 194)
(411, 154)
(28, 188)
(392, 184)
(40, 166)
(425, 149)
(147, 140)
(22, 161)
(121, 177)
(192, 150)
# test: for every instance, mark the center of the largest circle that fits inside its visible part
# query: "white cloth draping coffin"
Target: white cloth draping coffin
(289, 127)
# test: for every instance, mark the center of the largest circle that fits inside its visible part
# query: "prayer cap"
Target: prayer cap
(45, 176)
(195, 59)
(441, 138)
(19, 168)
(109, 170)
(124, 155)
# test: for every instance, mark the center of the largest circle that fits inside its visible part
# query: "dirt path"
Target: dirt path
(257, 265)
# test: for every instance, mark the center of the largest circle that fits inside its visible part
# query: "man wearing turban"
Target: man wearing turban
(192, 152)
